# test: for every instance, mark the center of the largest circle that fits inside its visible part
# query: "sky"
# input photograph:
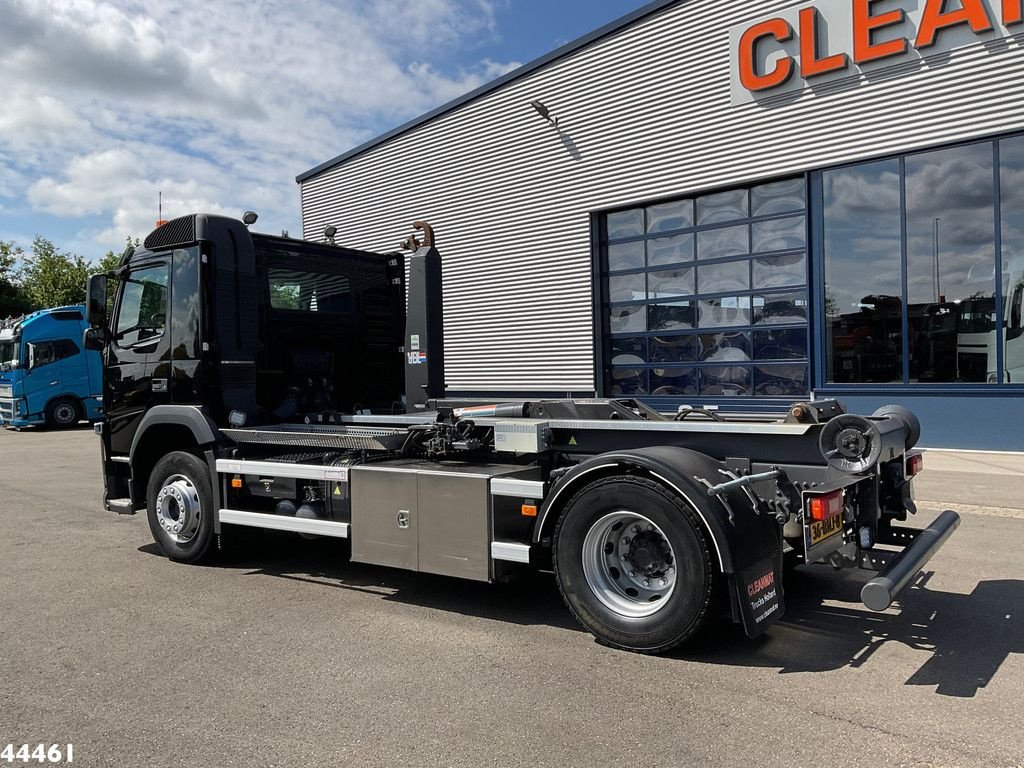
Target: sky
(219, 104)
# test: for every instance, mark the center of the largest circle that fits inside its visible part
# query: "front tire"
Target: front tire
(634, 565)
(63, 413)
(179, 503)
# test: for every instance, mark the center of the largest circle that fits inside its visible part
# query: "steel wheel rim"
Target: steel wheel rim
(65, 413)
(178, 509)
(629, 564)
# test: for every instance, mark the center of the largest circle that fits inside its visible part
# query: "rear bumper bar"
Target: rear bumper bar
(879, 593)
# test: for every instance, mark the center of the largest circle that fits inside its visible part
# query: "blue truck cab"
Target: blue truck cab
(46, 375)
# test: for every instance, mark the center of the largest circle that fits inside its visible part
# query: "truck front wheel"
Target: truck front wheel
(63, 413)
(634, 565)
(180, 507)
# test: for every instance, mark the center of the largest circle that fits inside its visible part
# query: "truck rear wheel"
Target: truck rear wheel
(179, 504)
(633, 565)
(63, 413)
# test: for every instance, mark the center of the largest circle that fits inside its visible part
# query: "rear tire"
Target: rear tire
(634, 565)
(179, 501)
(63, 413)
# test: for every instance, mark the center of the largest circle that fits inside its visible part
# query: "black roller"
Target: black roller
(850, 443)
(904, 414)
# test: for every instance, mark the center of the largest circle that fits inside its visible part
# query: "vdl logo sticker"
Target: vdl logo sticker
(835, 39)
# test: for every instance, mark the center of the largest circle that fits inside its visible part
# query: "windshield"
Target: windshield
(8, 355)
(978, 315)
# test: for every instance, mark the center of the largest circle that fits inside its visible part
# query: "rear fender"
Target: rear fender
(739, 543)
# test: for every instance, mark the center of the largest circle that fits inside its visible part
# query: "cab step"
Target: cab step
(121, 506)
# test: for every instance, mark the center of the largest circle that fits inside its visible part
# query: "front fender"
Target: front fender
(739, 543)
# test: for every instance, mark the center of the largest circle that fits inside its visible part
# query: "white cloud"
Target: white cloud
(219, 105)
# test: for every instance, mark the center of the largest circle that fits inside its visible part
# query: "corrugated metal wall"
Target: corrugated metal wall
(645, 113)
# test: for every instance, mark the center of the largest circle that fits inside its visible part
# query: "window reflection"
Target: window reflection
(1011, 172)
(692, 313)
(863, 276)
(625, 224)
(669, 216)
(668, 382)
(673, 349)
(669, 250)
(950, 264)
(626, 256)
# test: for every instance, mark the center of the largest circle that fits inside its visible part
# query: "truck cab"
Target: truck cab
(977, 347)
(46, 376)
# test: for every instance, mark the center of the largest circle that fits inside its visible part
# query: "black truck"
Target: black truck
(261, 381)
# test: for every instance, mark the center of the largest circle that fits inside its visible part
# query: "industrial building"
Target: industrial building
(732, 203)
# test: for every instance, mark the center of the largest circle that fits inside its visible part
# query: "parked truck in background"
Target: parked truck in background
(46, 375)
(977, 347)
(261, 381)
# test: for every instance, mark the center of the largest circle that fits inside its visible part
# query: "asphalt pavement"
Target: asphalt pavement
(284, 654)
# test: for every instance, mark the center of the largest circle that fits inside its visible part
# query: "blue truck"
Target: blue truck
(46, 376)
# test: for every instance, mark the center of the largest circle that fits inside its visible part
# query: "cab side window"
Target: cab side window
(47, 352)
(142, 316)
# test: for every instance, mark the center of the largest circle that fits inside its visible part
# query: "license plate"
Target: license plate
(822, 529)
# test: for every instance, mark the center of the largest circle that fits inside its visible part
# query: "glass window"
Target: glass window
(675, 382)
(781, 344)
(723, 242)
(671, 283)
(625, 224)
(863, 275)
(724, 312)
(309, 291)
(677, 316)
(626, 256)
(629, 350)
(733, 381)
(778, 197)
(669, 250)
(723, 278)
(780, 308)
(722, 207)
(674, 349)
(47, 352)
(627, 287)
(780, 380)
(780, 271)
(670, 216)
(628, 319)
(142, 315)
(779, 234)
(725, 347)
(1011, 173)
(950, 264)
(691, 313)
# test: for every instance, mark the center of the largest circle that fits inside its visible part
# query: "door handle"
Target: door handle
(159, 385)
(403, 518)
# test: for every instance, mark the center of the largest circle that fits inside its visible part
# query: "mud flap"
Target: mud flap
(757, 596)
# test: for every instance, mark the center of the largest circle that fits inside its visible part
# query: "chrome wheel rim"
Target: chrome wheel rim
(65, 413)
(178, 510)
(629, 564)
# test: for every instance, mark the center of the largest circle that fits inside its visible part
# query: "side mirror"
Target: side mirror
(95, 339)
(31, 362)
(96, 301)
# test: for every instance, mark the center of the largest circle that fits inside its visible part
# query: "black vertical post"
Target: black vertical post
(424, 330)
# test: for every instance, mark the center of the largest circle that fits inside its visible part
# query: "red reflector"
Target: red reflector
(824, 507)
(915, 464)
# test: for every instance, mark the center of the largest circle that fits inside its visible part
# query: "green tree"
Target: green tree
(13, 300)
(111, 261)
(53, 278)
